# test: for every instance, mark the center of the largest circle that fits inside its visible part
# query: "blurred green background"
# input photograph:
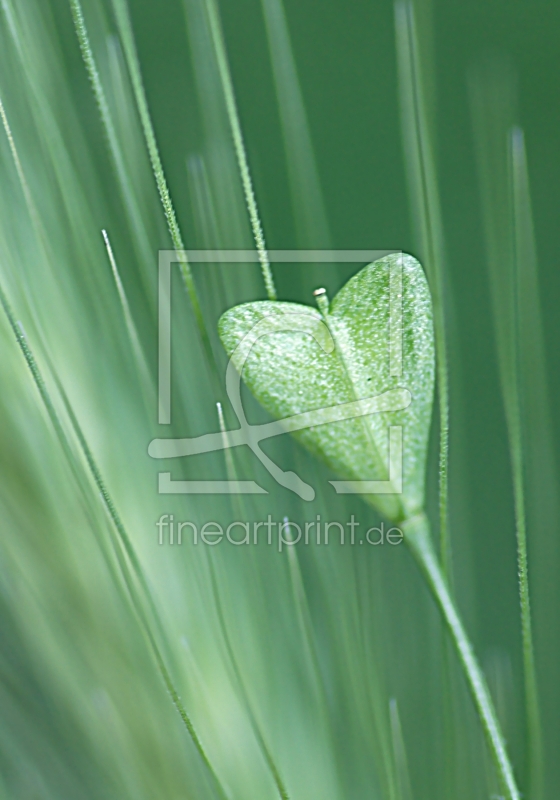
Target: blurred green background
(329, 661)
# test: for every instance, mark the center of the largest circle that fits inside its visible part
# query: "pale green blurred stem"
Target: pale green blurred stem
(239, 145)
(244, 694)
(534, 731)
(513, 269)
(127, 37)
(140, 239)
(427, 209)
(308, 205)
(123, 537)
(238, 672)
(418, 538)
(399, 752)
(523, 250)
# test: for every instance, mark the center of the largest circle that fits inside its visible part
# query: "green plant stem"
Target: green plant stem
(534, 733)
(523, 247)
(125, 30)
(399, 753)
(240, 152)
(532, 709)
(140, 238)
(427, 207)
(244, 694)
(418, 538)
(513, 270)
(123, 537)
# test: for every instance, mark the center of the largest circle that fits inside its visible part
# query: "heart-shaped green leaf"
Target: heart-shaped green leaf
(376, 338)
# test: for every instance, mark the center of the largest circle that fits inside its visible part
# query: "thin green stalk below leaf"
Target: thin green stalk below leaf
(418, 539)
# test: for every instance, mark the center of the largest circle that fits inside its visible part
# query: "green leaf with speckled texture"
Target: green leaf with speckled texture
(301, 360)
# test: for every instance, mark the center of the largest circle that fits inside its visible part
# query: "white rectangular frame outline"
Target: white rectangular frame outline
(169, 257)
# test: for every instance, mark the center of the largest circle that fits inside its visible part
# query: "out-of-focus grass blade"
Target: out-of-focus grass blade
(138, 598)
(307, 198)
(239, 678)
(219, 160)
(404, 791)
(125, 30)
(510, 249)
(140, 238)
(542, 472)
(425, 203)
(421, 171)
(129, 322)
(541, 468)
(534, 413)
(239, 144)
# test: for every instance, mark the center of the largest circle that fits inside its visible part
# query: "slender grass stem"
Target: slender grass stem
(423, 188)
(128, 548)
(427, 211)
(399, 753)
(131, 205)
(511, 253)
(19, 169)
(237, 671)
(534, 732)
(418, 538)
(129, 321)
(36, 221)
(305, 186)
(305, 623)
(520, 206)
(239, 680)
(239, 145)
(32, 365)
(125, 30)
(124, 538)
